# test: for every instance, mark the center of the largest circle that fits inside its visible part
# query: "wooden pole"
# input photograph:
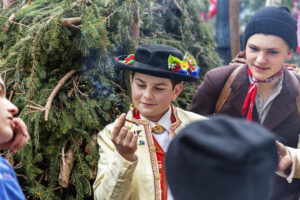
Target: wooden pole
(234, 10)
(273, 2)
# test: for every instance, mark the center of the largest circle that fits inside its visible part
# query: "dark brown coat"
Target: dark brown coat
(283, 117)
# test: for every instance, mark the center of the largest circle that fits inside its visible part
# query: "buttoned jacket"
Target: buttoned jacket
(119, 179)
(282, 118)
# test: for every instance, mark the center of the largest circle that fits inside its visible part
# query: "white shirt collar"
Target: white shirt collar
(164, 121)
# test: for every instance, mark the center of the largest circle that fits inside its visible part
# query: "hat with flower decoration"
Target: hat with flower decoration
(161, 61)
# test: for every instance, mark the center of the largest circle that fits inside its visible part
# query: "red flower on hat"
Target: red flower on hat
(176, 69)
(128, 59)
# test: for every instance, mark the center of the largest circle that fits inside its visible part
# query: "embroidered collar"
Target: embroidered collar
(164, 121)
(137, 115)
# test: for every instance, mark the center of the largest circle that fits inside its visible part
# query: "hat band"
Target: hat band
(187, 66)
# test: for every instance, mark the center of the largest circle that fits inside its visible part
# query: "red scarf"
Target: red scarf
(252, 91)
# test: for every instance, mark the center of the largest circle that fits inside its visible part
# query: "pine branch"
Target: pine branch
(75, 88)
(12, 92)
(36, 108)
(55, 91)
(177, 5)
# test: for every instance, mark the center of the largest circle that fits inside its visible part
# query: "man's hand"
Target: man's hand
(239, 59)
(20, 138)
(285, 160)
(124, 140)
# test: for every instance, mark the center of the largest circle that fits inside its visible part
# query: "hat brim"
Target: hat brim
(149, 70)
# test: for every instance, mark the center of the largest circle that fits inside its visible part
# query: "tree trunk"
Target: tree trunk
(223, 31)
(234, 27)
(135, 27)
(273, 2)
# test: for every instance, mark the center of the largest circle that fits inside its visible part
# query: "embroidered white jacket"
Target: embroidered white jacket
(119, 179)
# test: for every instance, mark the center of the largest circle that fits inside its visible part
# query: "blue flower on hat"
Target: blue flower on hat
(187, 66)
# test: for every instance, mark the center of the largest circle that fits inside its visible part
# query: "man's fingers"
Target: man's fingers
(121, 136)
(127, 139)
(18, 142)
(134, 141)
(281, 149)
(285, 160)
(118, 125)
(20, 126)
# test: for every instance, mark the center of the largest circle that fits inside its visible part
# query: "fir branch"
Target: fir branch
(12, 92)
(55, 91)
(75, 85)
(107, 18)
(13, 22)
(77, 145)
(177, 5)
(36, 108)
(34, 103)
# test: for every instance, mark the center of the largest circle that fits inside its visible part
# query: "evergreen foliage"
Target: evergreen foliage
(39, 47)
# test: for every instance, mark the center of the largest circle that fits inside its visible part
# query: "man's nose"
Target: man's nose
(261, 58)
(148, 94)
(11, 107)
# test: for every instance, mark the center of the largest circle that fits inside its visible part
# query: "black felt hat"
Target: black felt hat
(275, 21)
(152, 59)
(221, 158)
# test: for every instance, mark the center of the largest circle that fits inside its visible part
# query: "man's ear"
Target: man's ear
(176, 91)
(290, 54)
(130, 79)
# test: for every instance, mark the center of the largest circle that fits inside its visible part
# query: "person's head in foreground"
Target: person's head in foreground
(270, 39)
(157, 73)
(13, 135)
(221, 158)
(13, 130)
(7, 112)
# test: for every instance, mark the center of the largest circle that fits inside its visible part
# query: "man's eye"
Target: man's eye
(160, 89)
(273, 52)
(141, 86)
(254, 48)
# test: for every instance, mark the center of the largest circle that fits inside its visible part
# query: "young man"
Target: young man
(13, 134)
(262, 90)
(131, 164)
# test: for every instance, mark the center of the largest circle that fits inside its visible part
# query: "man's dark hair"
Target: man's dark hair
(174, 82)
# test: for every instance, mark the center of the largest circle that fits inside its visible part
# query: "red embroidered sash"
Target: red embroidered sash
(160, 155)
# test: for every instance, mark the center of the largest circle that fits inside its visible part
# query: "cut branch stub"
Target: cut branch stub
(55, 91)
(8, 3)
(66, 168)
(6, 26)
(73, 22)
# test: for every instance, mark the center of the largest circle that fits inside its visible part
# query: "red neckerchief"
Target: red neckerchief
(160, 155)
(252, 91)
